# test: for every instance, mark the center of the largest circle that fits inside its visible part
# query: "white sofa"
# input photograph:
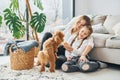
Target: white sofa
(107, 44)
(106, 38)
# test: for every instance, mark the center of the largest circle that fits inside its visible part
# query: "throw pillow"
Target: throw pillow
(110, 21)
(99, 28)
(116, 29)
(98, 19)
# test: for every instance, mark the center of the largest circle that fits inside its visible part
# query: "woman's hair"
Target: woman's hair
(84, 17)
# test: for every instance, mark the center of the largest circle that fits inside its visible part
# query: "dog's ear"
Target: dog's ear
(59, 33)
(57, 39)
(58, 36)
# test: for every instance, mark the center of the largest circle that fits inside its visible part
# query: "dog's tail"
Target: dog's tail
(42, 57)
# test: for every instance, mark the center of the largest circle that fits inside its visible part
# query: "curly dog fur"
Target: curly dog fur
(48, 54)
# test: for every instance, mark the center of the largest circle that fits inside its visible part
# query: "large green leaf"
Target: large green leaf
(38, 4)
(15, 25)
(0, 20)
(14, 5)
(38, 22)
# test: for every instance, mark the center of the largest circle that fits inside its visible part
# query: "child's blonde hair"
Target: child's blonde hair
(89, 28)
(90, 32)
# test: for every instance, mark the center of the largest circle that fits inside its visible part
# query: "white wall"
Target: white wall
(3, 5)
(81, 6)
(96, 7)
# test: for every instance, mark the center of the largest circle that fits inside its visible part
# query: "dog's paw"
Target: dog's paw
(52, 70)
(36, 64)
(42, 70)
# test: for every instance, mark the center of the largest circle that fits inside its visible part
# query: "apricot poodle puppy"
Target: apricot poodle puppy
(48, 54)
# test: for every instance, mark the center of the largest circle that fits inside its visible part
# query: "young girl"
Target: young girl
(76, 52)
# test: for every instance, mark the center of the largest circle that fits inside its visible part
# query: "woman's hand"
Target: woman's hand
(83, 59)
(67, 47)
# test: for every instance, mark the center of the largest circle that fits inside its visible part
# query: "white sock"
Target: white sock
(102, 64)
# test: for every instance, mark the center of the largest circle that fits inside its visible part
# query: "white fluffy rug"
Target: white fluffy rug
(32, 74)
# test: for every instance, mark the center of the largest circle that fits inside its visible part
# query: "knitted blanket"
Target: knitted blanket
(22, 44)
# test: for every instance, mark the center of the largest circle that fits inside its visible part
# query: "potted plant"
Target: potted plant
(0, 20)
(15, 22)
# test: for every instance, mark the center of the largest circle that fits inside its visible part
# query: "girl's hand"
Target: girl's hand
(69, 58)
(67, 46)
(83, 59)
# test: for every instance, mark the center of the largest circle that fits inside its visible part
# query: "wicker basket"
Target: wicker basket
(36, 51)
(20, 60)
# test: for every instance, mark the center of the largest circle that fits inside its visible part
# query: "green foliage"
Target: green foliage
(38, 21)
(14, 5)
(0, 20)
(14, 23)
(38, 4)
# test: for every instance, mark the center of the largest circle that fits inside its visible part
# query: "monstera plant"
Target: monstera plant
(38, 21)
(14, 21)
(15, 25)
(0, 20)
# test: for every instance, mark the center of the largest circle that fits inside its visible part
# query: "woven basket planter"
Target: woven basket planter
(36, 51)
(20, 60)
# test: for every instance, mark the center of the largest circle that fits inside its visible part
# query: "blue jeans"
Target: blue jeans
(73, 65)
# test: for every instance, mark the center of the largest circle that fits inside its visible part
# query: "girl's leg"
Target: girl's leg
(70, 66)
(88, 66)
(45, 37)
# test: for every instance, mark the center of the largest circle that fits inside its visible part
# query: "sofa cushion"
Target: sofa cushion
(110, 22)
(99, 28)
(98, 19)
(116, 29)
(100, 39)
(106, 55)
(113, 42)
